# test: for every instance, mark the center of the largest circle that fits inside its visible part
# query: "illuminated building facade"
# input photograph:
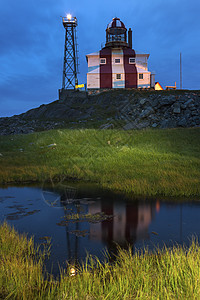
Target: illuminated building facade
(117, 65)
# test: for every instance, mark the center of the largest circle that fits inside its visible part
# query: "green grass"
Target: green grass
(146, 162)
(21, 266)
(168, 274)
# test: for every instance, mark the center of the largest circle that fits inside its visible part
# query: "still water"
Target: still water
(83, 219)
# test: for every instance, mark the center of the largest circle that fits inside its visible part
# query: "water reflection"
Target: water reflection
(122, 223)
(130, 222)
(89, 220)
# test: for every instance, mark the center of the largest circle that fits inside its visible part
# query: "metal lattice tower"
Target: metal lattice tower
(70, 67)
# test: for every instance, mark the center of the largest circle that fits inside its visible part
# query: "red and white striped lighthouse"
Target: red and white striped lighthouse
(117, 65)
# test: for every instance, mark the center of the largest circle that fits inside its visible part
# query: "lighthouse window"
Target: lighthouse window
(117, 60)
(102, 61)
(131, 60)
(118, 76)
(140, 76)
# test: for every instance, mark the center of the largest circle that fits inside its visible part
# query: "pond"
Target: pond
(83, 219)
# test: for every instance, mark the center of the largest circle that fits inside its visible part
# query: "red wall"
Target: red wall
(106, 70)
(130, 69)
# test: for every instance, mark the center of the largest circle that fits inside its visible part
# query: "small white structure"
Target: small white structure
(144, 76)
(117, 65)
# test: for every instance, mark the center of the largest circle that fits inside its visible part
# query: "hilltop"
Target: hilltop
(125, 109)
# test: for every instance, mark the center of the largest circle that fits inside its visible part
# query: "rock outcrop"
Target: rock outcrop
(127, 109)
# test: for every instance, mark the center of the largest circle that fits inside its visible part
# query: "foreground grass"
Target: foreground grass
(169, 274)
(146, 162)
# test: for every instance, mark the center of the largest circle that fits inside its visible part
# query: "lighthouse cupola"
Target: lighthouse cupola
(116, 34)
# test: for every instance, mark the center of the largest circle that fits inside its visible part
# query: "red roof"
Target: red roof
(116, 22)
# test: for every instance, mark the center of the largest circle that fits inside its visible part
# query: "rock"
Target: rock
(194, 113)
(107, 126)
(197, 120)
(182, 123)
(146, 112)
(142, 125)
(143, 101)
(192, 107)
(130, 125)
(168, 124)
(155, 103)
(136, 109)
(176, 108)
(52, 145)
(164, 101)
(187, 103)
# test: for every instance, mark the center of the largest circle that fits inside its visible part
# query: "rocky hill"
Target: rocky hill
(126, 109)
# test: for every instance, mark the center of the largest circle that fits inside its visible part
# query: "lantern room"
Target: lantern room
(116, 34)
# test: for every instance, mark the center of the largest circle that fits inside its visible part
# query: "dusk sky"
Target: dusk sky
(32, 43)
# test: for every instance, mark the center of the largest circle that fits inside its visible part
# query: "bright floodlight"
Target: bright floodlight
(69, 17)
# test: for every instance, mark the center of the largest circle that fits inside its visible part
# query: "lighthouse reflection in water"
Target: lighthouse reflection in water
(130, 223)
(84, 219)
(106, 222)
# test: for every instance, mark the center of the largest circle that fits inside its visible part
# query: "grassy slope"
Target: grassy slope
(146, 162)
(171, 274)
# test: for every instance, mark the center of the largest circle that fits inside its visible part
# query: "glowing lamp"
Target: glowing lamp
(69, 17)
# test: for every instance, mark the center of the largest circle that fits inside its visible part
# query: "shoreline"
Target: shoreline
(131, 196)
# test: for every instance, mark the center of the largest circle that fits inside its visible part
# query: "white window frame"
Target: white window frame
(130, 60)
(142, 76)
(102, 63)
(117, 59)
(118, 75)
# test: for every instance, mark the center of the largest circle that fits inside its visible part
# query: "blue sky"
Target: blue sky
(32, 43)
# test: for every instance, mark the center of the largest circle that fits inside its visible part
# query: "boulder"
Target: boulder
(130, 125)
(149, 110)
(144, 124)
(167, 100)
(107, 126)
(176, 108)
(168, 123)
(182, 123)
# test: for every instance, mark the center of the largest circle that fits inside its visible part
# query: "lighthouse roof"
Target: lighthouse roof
(116, 22)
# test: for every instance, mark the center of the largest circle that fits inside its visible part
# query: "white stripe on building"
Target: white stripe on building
(93, 75)
(118, 73)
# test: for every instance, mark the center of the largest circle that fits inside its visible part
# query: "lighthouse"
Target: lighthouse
(117, 65)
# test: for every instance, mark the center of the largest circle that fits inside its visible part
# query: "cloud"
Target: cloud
(32, 42)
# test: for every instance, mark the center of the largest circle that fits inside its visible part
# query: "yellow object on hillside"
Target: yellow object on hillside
(169, 87)
(79, 86)
(158, 87)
